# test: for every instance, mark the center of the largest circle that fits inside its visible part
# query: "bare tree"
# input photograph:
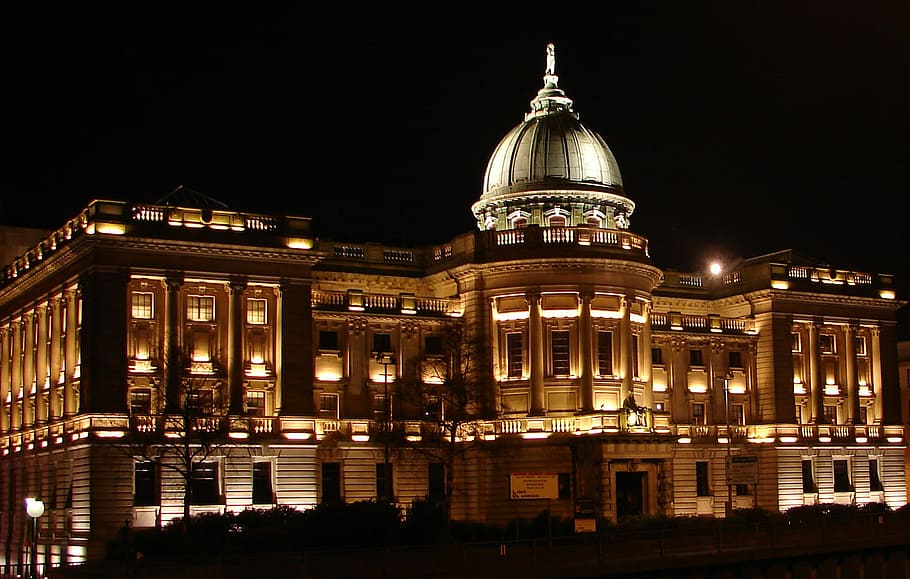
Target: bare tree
(450, 392)
(187, 423)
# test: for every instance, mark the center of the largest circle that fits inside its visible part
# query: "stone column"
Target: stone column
(297, 357)
(717, 369)
(235, 346)
(17, 397)
(277, 322)
(56, 305)
(816, 376)
(647, 369)
(850, 367)
(42, 380)
(678, 381)
(875, 356)
(71, 353)
(536, 354)
(173, 282)
(586, 349)
(5, 391)
(30, 390)
(626, 358)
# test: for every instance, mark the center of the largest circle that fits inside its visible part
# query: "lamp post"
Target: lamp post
(728, 507)
(35, 509)
(386, 360)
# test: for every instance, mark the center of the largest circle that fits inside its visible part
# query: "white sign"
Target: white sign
(534, 486)
(742, 469)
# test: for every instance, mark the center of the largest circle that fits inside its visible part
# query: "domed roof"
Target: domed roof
(550, 154)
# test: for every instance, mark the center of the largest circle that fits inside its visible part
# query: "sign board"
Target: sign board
(585, 525)
(742, 469)
(584, 509)
(534, 486)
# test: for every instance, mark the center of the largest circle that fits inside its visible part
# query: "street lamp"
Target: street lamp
(35, 509)
(386, 360)
(728, 507)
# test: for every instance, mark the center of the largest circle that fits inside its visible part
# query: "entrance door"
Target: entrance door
(629, 494)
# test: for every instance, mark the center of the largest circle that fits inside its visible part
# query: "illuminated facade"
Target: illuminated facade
(616, 384)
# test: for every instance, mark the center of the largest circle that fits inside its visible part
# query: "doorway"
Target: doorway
(629, 494)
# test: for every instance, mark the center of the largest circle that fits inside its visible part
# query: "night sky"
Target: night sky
(740, 128)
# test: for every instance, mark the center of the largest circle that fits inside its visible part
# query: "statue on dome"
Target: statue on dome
(551, 60)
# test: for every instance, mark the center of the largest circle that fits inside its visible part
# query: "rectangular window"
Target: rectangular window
(830, 414)
(809, 477)
(200, 308)
(702, 482)
(657, 356)
(695, 358)
(262, 483)
(860, 345)
(863, 415)
(379, 407)
(698, 413)
(635, 361)
(604, 353)
(331, 482)
(200, 402)
(204, 483)
(515, 354)
(875, 480)
(564, 485)
(328, 405)
(328, 340)
(145, 484)
(142, 305)
(382, 343)
(559, 345)
(432, 408)
(842, 476)
(436, 487)
(432, 345)
(255, 311)
(826, 343)
(795, 343)
(255, 403)
(140, 401)
(737, 414)
(735, 359)
(384, 488)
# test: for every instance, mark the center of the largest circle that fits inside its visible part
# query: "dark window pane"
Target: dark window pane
(702, 487)
(875, 481)
(331, 482)
(145, 484)
(436, 491)
(605, 353)
(262, 483)
(514, 350)
(382, 343)
(808, 477)
(328, 340)
(560, 351)
(842, 476)
(432, 345)
(204, 483)
(384, 481)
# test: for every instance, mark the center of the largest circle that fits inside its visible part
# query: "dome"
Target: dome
(552, 164)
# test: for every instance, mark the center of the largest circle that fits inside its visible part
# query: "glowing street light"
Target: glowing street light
(35, 509)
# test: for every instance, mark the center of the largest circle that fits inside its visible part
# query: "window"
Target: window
(141, 401)
(432, 405)
(698, 413)
(875, 480)
(514, 354)
(145, 484)
(635, 362)
(255, 311)
(328, 405)
(200, 308)
(432, 345)
(702, 486)
(200, 402)
(863, 415)
(695, 358)
(658, 406)
(328, 340)
(262, 483)
(142, 305)
(826, 343)
(331, 482)
(557, 221)
(830, 414)
(604, 353)
(657, 356)
(564, 485)
(382, 343)
(436, 487)
(379, 407)
(204, 483)
(384, 481)
(842, 476)
(737, 414)
(860, 345)
(735, 359)
(255, 403)
(795, 344)
(559, 344)
(742, 490)
(809, 477)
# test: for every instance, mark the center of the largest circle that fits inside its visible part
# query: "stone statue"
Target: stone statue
(551, 59)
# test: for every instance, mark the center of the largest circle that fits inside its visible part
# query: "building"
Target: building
(305, 370)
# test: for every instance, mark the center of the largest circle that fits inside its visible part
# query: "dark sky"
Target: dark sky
(740, 127)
